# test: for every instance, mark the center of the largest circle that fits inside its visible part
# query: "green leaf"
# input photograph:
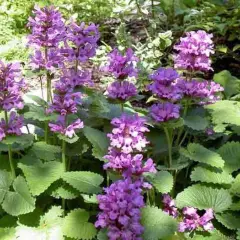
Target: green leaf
(22, 139)
(85, 182)
(211, 175)
(92, 199)
(45, 151)
(238, 234)
(229, 220)
(5, 183)
(212, 235)
(162, 181)
(41, 175)
(8, 221)
(236, 47)
(230, 153)
(76, 225)
(157, 224)
(65, 192)
(235, 189)
(7, 234)
(203, 197)
(225, 112)
(19, 202)
(198, 153)
(98, 140)
(230, 83)
(37, 100)
(196, 122)
(102, 235)
(67, 139)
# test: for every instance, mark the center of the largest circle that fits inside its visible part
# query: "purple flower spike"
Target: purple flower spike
(169, 206)
(120, 210)
(63, 129)
(47, 27)
(128, 134)
(122, 66)
(163, 112)
(122, 90)
(194, 51)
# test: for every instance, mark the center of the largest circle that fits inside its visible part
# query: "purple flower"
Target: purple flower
(128, 133)
(163, 112)
(11, 86)
(64, 129)
(122, 90)
(65, 103)
(164, 76)
(128, 164)
(47, 27)
(204, 92)
(122, 66)
(120, 210)
(84, 38)
(169, 206)
(194, 51)
(192, 220)
(13, 127)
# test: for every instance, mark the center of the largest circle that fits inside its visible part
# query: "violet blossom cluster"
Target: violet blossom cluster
(122, 67)
(65, 102)
(81, 42)
(194, 51)
(11, 88)
(191, 220)
(123, 200)
(47, 31)
(120, 206)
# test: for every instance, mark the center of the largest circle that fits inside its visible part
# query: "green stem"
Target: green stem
(64, 161)
(169, 141)
(11, 162)
(152, 6)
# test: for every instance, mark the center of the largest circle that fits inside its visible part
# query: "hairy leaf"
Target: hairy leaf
(196, 122)
(85, 182)
(157, 224)
(24, 139)
(203, 197)
(198, 153)
(40, 176)
(210, 175)
(19, 202)
(76, 225)
(5, 183)
(229, 220)
(7, 234)
(235, 189)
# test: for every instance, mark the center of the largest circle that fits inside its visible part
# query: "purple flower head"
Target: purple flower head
(169, 206)
(194, 51)
(120, 210)
(122, 66)
(47, 27)
(64, 129)
(52, 60)
(13, 127)
(122, 90)
(205, 92)
(84, 38)
(11, 86)
(163, 112)
(164, 76)
(65, 103)
(128, 133)
(192, 220)
(128, 164)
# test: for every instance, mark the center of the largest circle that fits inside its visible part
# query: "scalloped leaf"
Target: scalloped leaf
(235, 189)
(196, 122)
(225, 112)
(45, 151)
(24, 139)
(230, 152)
(98, 140)
(212, 235)
(157, 224)
(67, 139)
(229, 220)
(102, 235)
(19, 202)
(162, 181)
(85, 182)
(38, 100)
(207, 175)
(5, 183)
(65, 192)
(41, 175)
(198, 153)
(76, 225)
(238, 234)
(203, 197)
